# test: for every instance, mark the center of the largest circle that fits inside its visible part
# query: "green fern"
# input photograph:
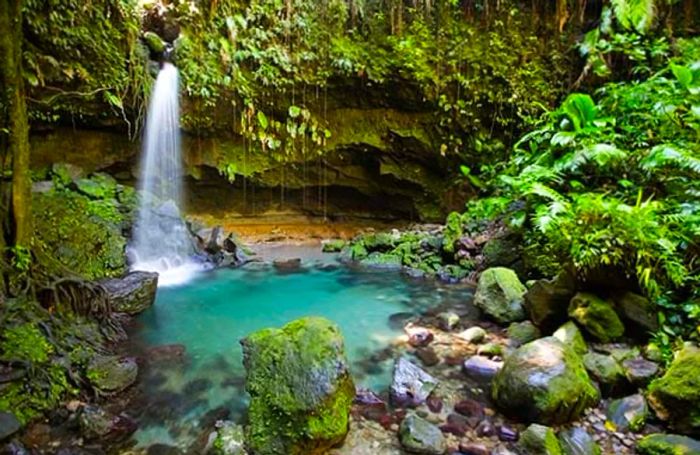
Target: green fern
(638, 15)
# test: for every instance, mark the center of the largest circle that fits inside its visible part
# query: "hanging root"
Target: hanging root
(86, 299)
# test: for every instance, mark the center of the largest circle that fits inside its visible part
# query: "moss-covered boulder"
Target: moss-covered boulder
(676, 395)
(544, 382)
(154, 42)
(499, 295)
(230, 439)
(300, 388)
(570, 335)
(606, 371)
(668, 444)
(597, 316)
(83, 234)
(386, 261)
(540, 439)
(639, 311)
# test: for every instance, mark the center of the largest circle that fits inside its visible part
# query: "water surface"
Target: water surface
(212, 313)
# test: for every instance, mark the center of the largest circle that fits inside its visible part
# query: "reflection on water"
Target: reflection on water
(179, 394)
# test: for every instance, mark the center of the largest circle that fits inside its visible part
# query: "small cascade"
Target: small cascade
(161, 241)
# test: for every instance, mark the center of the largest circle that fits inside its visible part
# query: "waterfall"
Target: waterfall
(161, 240)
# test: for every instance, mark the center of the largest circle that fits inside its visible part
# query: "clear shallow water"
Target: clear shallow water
(210, 314)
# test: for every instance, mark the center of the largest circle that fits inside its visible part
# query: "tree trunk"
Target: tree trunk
(17, 124)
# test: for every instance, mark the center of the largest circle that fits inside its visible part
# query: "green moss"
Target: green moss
(44, 386)
(452, 232)
(541, 440)
(334, 246)
(500, 294)
(668, 444)
(597, 316)
(80, 234)
(300, 388)
(570, 335)
(676, 395)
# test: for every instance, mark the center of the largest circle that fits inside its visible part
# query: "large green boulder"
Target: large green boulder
(597, 316)
(545, 382)
(668, 444)
(540, 439)
(499, 295)
(676, 395)
(300, 388)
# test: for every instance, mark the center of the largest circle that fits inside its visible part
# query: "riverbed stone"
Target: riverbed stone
(9, 425)
(540, 439)
(547, 300)
(300, 387)
(481, 368)
(675, 397)
(597, 316)
(606, 371)
(668, 444)
(577, 441)
(112, 374)
(133, 293)
(417, 435)
(448, 321)
(545, 382)
(499, 294)
(523, 332)
(629, 413)
(570, 335)
(473, 335)
(410, 386)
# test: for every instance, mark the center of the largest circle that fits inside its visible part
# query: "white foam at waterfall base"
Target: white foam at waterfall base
(161, 241)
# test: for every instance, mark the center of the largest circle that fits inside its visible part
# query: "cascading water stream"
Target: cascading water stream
(161, 240)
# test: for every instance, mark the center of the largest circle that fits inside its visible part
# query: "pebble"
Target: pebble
(506, 433)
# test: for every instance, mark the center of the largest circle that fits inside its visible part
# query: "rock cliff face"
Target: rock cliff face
(380, 162)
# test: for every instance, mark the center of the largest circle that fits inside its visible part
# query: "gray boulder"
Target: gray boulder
(547, 300)
(629, 413)
(499, 295)
(112, 374)
(545, 382)
(540, 439)
(577, 441)
(132, 293)
(9, 425)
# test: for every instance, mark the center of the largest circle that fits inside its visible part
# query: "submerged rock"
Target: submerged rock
(544, 381)
(99, 424)
(676, 395)
(300, 388)
(133, 293)
(499, 295)
(597, 316)
(540, 439)
(668, 444)
(411, 385)
(287, 265)
(112, 374)
(417, 435)
(577, 441)
(629, 413)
